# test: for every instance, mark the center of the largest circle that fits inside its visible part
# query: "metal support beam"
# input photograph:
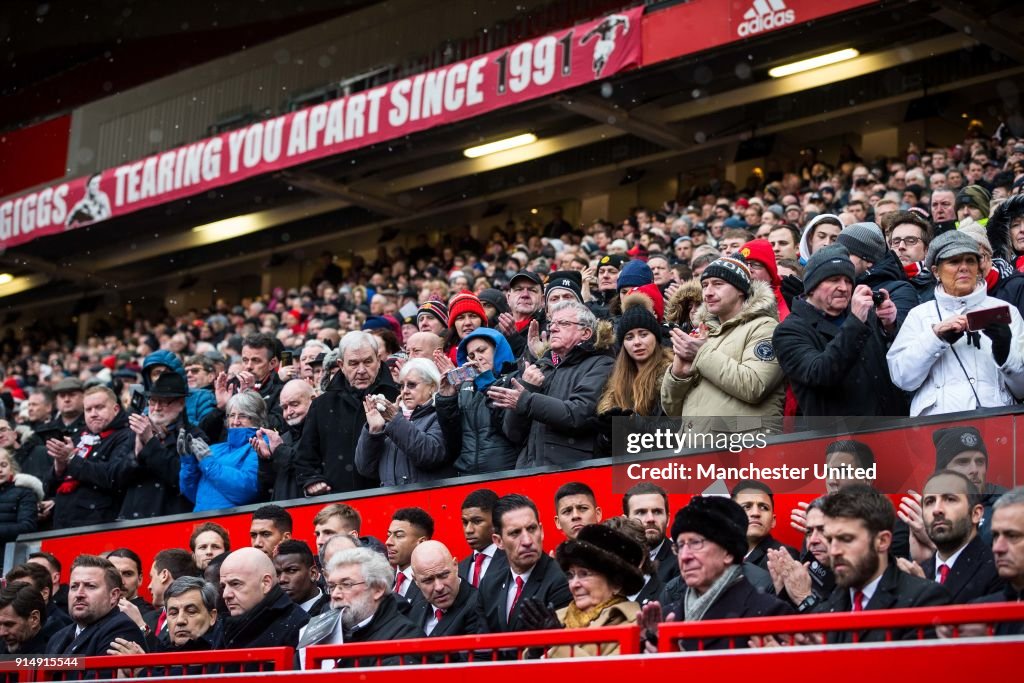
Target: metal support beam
(986, 30)
(602, 112)
(318, 184)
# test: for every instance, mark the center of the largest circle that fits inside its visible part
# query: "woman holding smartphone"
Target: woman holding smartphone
(961, 351)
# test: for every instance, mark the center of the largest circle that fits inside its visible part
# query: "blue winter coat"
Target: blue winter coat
(199, 403)
(227, 478)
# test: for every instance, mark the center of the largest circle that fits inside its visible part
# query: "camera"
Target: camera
(878, 298)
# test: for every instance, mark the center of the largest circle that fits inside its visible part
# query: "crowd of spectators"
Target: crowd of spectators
(716, 559)
(891, 288)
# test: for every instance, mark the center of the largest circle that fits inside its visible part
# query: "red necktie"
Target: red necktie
(399, 580)
(858, 601)
(943, 573)
(438, 614)
(478, 564)
(519, 592)
(161, 621)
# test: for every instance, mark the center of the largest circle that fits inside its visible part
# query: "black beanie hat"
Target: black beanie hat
(733, 269)
(953, 441)
(717, 519)
(637, 314)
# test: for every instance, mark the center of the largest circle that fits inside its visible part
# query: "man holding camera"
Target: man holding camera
(151, 476)
(832, 346)
(878, 267)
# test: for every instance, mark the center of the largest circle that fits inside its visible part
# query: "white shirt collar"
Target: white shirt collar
(868, 590)
(949, 561)
(306, 606)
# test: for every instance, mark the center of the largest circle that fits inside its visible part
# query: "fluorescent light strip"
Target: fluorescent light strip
(813, 63)
(501, 145)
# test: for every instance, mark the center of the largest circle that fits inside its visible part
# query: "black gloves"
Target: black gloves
(951, 336)
(534, 615)
(1001, 337)
(791, 287)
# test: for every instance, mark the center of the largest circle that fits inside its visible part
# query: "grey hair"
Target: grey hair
(583, 314)
(184, 584)
(1014, 496)
(315, 344)
(249, 403)
(357, 340)
(425, 368)
(375, 568)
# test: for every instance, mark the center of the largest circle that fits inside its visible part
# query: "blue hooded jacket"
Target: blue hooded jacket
(502, 355)
(227, 478)
(198, 404)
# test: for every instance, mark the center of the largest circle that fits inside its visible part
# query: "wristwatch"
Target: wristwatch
(808, 603)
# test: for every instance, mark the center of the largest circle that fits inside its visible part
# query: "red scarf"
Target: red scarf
(991, 279)
(84, 450)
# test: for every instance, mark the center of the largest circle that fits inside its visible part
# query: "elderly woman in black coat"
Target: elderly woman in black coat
(19, 499)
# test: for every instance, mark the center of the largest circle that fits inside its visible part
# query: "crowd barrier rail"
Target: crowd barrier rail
(498, 650)
(921, 619)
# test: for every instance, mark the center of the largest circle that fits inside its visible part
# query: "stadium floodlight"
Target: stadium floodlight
(813, 63)
(501, 145)
(5, 278)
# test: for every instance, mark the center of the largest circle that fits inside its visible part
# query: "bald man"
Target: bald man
(277, 451)
(334, 544)
(453, 605)
(423, 345)
(262, 615)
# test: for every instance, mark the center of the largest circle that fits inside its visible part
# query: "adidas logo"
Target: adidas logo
(764, 16)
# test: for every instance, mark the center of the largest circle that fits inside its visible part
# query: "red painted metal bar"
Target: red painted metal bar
(280, 658)
(925, 617)
(925, 660)
(628, 638)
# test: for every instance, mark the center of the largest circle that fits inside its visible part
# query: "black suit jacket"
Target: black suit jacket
(1007, 594)
(650, 592)
(759, 555)
(668, 563)
(741, 599)
(896, 590)
(973, 576)
(97, 636)
(464, 617)
(547, 583)
(498, 565)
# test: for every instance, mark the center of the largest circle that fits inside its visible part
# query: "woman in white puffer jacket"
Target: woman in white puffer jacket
(949, 368)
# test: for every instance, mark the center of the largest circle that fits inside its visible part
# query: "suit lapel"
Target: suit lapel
(966, 567)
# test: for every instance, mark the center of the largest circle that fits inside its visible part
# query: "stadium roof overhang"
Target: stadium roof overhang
(682, 109)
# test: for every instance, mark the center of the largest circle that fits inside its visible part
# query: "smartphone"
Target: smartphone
(286, 358)
(979, 320)
(137, 404)
(462, 374)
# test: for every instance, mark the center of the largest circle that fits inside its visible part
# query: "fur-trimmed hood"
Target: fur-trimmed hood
(681, 304)
(760, 303)
(30, 482)
(998, 227)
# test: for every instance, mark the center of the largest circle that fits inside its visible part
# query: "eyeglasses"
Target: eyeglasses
(411, 386)
(345, 586)
(909, 241)
(559, 324)
(695, 546)
(581, 574)
(196, 369)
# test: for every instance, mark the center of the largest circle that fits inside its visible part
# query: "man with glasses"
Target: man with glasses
(908, 236)
(551, 405)
(199, 373)
(710, 536)
(151, 476)
(364, 607)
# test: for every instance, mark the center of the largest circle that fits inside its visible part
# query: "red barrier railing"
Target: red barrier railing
(921, 619)
(476, 648)
(201, 663)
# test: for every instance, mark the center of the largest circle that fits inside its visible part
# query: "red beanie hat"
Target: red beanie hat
(109, 362)
(465, 302)
(760, 250)
(652, 292)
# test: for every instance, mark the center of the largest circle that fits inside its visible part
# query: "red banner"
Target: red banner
(573, 57)
(698, 25)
